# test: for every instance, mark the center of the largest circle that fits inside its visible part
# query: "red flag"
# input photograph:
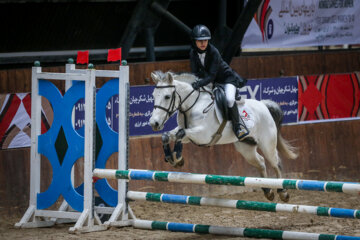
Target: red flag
(114, 55)
(82, 57)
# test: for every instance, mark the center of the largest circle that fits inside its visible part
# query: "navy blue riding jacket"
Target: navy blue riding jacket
(216, 70)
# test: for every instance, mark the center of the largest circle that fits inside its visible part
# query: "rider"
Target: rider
(207, 64)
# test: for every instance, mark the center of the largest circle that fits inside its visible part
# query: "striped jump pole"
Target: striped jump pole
(232, 231)
(245, 205)
(180, 177)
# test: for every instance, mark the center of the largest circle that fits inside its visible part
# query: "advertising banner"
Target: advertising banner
(330, 96)
(281, 90)
(141, 104)
(15, 119)
(297, 23)
(141, 107)
(303, 98)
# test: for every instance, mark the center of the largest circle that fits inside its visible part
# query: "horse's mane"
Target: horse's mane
(182, 77)
(185, 77)
(190, 78)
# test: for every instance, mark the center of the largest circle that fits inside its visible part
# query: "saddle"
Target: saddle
(221, 102)
(222, 108)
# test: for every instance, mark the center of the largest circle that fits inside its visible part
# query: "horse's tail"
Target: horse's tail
(283, 146)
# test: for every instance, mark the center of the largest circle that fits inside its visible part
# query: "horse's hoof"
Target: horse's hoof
(177, 162)
(269, 195)
(284, 195)
(180, 163)
(168, 159)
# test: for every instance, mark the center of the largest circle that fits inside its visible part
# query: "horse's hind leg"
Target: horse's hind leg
(254, 158)
(272, 155)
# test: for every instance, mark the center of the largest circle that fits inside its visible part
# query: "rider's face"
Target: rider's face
(202, 44)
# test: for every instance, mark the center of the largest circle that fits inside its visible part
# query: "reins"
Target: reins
(207, 109)
(172, 109)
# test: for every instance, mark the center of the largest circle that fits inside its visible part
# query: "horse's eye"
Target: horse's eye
(167, 97)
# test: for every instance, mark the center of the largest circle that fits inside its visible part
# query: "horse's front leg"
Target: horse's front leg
(173, 157)
(167, 138)
(177, 153)
(180, 136)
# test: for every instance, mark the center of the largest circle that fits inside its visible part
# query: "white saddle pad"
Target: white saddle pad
(244, 111)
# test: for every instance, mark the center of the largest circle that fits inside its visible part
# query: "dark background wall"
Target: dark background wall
(38, 26)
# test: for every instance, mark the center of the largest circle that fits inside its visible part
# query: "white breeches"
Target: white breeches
(230, 91)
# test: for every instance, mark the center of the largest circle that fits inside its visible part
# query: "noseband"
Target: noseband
(171, 109)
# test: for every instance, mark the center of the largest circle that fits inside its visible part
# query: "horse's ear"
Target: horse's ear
(155, 77)
(169, 77)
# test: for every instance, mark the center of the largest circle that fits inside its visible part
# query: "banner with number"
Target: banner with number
(298, 23)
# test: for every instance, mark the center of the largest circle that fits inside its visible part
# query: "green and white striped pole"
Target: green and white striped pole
(232, 231)
(180, 177)
(241, 204)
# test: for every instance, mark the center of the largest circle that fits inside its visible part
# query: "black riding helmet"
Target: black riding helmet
(200, 32)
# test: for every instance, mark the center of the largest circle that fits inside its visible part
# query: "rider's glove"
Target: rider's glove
(195, 85)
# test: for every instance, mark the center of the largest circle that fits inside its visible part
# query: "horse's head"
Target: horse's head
(165, 101)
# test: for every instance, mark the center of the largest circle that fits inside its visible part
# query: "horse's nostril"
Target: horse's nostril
(156, 124)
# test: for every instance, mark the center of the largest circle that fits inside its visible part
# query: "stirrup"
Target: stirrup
(241, 134)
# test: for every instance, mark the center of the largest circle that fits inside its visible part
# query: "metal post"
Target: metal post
(35, 132)
(163, 12)
(123, 135)
(134, 26)
(150, 50)
(222, 15)
(239, 30)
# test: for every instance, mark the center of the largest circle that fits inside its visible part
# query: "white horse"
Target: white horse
(198, 122)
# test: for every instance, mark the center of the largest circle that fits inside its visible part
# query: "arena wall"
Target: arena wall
(327, 151)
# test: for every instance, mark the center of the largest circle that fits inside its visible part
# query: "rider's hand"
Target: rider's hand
(195, 85)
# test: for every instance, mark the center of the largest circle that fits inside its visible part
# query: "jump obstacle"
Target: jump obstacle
(79, 83)
(241, 204)
(180, 177)
(121, 214)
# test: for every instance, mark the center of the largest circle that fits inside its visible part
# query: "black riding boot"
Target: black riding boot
(239, 127)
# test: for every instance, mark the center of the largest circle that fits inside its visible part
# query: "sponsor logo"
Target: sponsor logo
(262, 18)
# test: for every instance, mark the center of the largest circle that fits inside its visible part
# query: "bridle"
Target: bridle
(172, 108)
